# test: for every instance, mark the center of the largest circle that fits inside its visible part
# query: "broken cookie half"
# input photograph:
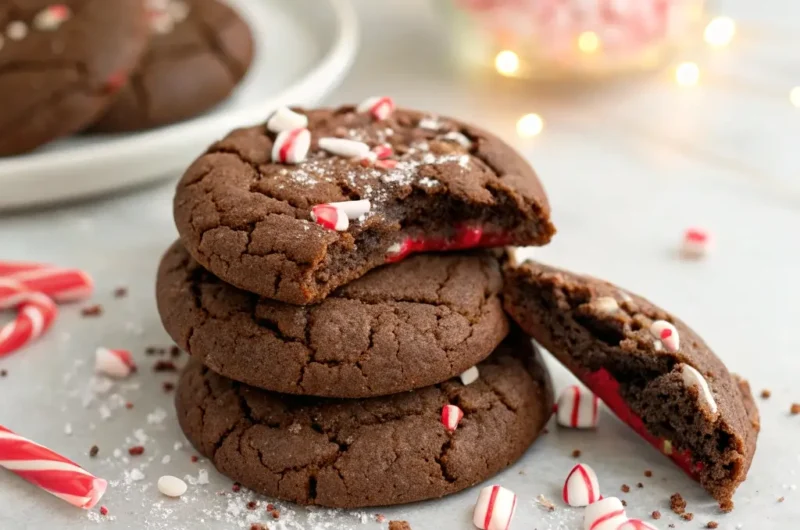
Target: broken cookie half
(650, 369)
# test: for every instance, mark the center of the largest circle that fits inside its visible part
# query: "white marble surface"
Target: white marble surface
(627, 169)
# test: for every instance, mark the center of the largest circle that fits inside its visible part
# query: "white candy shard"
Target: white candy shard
(494, 509)
(581, 487)
(114, 363)
(291, 146)
(578, 408)
(353, 209)
(665, 334)
(344, 147)
(605, 514)
(470, 376)
(693, 378)
(285, 119)
(605, 304)
(459, 138)
(171, 486)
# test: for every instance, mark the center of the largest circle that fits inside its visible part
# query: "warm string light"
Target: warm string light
(794, 96)
(507, 63)
(530, 125)
(720, 31)
(588, 42)
(687, 74)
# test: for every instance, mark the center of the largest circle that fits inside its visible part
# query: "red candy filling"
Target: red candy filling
(607, 388)
(464, 238)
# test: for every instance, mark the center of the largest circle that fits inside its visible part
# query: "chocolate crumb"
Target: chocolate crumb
(92, 311)
(93, 451)
(656, 515)
(624, 502)
(120, 292)
(258, 526)
(175, 351)
(236, 487)
(252, 505)
(576, 453)
(276, 514)
(795, 408)
(165, 366)
(766, 393)
(399, 525)
(687, 516)
(150, 350)
(712, 524)
(625, 488)
(671, 525)
(270, 506)
(781, 499)
(677, 503)
(136, 450)
(3, 373)
(639, 485)
(168, 386)
(128, 405)
(648, 473)
(195, 458)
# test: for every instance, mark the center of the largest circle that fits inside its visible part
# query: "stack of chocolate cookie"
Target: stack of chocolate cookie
(113, 66)
(348, 335)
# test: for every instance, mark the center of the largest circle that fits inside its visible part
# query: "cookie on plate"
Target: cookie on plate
(404, 326)
(198, 53)
(413, 182)
(369, 452)
(61, 64)
(650, 368)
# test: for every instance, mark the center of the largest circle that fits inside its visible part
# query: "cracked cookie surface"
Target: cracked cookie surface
(681, 400)
(452, 185)
(59, 69)
(403, 326)
(369, 452)
(195, 59)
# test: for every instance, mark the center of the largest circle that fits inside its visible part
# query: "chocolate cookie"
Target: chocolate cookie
(650, 368)
(61, 64)
(403, 326)
(427, 184)
(369, 452)
(199, 51)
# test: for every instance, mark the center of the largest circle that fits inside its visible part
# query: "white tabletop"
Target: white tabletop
(627, 170)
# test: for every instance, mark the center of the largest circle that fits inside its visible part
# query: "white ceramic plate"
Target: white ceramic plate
(303, 50)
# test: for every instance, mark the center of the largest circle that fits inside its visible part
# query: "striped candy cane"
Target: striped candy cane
(12, 267)
(62, 285)
(50, 471)
(36, 314)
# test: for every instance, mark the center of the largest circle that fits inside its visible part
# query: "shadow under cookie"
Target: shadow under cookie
(400, 327)
(369, 452)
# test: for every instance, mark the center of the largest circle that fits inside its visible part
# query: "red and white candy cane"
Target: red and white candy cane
(35, 315)
(62, 285)
(330, 217)
(494, 509)
(379, 107)
(605, 514)
(451, 417)
(581, 487)
(50, 471)
(578, 408)
(666, 335)
(291, 146)
(114, 363)
(696, 243)
(13, 267)
(636, 524)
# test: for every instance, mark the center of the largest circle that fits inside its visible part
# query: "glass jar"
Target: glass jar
(563, 39)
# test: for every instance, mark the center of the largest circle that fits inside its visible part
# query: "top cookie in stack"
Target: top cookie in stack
(318, 198)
